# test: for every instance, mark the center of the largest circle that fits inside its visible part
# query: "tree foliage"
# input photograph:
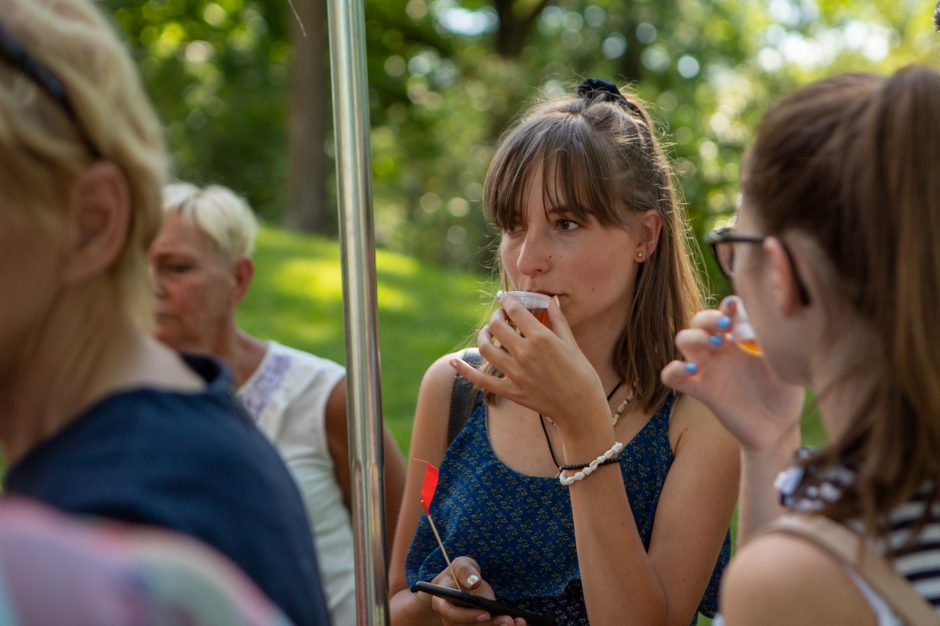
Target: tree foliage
(217, 71)
(446, 77)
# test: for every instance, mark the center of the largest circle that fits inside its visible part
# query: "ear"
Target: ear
(651, 226)
(99, 218)
(243, 270)
(783, 282)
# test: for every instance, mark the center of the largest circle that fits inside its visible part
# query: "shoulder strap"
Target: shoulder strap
(848, 548)
(463, 398)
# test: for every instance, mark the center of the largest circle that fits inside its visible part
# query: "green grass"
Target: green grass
(424, 312)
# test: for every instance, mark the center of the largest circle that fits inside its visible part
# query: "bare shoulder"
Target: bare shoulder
(777, 580)
(437, 385)
(429, 432)
(692, 420)
(440, 373)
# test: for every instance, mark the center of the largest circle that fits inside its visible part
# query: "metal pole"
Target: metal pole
(364, 405)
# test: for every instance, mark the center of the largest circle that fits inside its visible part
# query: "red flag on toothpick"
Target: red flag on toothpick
(429, 486)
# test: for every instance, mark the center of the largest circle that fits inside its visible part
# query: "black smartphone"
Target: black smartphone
(494, 607)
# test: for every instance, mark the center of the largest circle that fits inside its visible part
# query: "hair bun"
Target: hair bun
(592, 88)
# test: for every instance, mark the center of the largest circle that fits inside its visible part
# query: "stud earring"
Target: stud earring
(639, 255)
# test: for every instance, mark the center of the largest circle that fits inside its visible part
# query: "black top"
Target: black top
(192, 462)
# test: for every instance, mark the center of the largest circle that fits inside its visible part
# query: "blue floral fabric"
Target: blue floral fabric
(519, 528)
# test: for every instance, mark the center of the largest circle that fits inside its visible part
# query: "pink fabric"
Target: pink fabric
(58, 570)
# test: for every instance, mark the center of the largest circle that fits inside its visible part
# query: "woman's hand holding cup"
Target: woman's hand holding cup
(758, 407)
(544, 369)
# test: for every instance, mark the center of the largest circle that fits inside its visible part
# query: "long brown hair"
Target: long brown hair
(606, 156)
(852, 162)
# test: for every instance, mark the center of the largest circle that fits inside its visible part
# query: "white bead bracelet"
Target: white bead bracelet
(567, 480)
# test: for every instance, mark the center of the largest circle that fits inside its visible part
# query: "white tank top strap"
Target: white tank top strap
(884, 616)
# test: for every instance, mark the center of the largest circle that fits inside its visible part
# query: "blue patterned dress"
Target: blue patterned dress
(519, 528)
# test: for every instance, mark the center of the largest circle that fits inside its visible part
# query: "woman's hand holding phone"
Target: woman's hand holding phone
(444, 590)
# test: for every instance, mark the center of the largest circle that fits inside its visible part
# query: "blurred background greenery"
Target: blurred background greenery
(245, 92)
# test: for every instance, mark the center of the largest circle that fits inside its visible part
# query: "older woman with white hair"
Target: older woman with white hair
(97, 418)
(202, 268)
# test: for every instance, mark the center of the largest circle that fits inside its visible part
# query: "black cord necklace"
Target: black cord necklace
(548, 440)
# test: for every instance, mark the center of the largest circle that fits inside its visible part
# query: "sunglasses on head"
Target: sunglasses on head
(13, 52)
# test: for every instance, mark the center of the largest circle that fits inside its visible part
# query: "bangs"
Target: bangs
(577, 168)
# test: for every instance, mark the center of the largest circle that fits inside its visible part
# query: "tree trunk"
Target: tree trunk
(514, 26)
(309, 110)
(631, 67)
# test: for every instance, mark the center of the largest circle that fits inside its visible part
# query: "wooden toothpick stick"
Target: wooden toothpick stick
(428, 487)
(450, 566)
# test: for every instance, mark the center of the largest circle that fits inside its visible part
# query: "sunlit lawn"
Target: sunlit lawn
(424, 312)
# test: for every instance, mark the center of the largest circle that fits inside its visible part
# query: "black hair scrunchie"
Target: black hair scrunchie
(602, 89)
(606, 91)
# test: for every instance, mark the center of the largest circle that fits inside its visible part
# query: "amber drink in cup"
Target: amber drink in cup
(743, 333)
(536, 303)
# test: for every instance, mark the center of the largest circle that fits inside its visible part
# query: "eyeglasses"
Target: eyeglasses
(722, 243)
(14, 53)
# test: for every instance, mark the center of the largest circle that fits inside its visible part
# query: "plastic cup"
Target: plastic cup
(536, 303)
(743, 333)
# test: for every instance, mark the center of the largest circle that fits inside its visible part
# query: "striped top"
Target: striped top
(918, 562)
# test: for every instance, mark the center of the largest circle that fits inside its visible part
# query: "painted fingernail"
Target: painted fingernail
(472, 579)
(557, 302)
(500, 294)
(484, 617)
(724, 322)
(716, 340)
(691, 368)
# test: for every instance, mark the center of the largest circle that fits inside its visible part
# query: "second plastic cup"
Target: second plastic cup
(536, 303)
(743, 333)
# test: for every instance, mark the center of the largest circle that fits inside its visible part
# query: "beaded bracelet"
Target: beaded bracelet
(580, 466)
(567, 480)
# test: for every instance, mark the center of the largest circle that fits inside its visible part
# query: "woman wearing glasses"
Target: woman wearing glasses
(97, 419)
(834, 255)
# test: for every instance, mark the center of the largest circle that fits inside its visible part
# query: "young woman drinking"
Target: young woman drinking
(584, 199)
